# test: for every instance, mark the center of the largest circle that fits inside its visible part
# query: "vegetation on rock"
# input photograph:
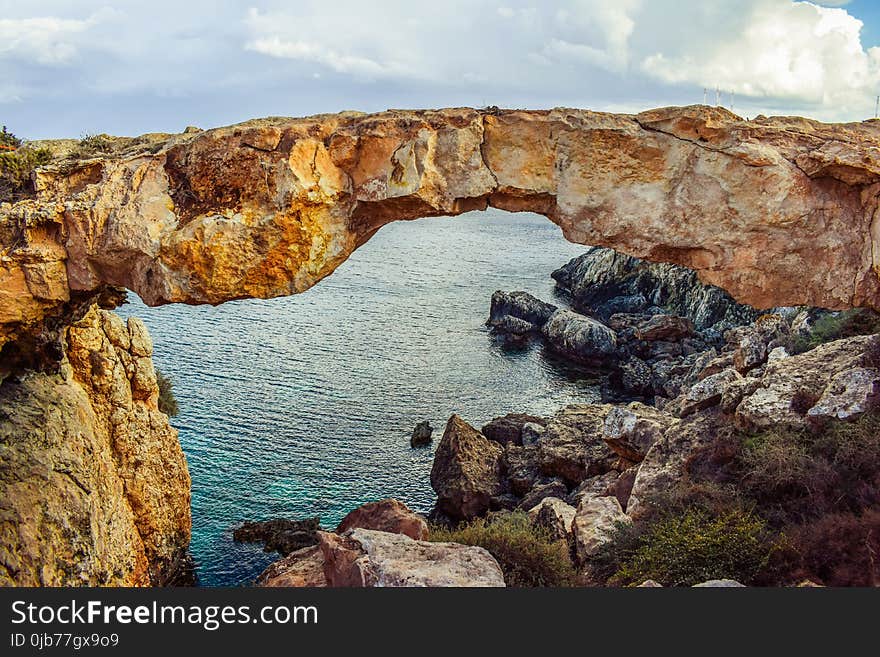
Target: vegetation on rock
(167, 400)
(834, 326)
(773, 508)
(528, 555)
(17, 163)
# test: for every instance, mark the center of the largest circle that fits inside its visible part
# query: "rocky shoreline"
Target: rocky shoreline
(706, 376)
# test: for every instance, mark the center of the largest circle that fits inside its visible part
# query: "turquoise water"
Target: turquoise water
(304, 405)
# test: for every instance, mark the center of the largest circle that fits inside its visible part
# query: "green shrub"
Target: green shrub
(91, 145)
(834, 326)
(528, 556)
(16, 168)
(9, 139)
(686, 549)
(167, 401)
(795, 475)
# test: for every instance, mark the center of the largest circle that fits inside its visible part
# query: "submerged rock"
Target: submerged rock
(279, 535)
(421, 435)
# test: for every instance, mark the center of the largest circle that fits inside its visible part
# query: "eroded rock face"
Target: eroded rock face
(777, 211)
(94, 488)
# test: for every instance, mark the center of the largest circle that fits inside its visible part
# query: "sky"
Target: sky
(73, 68)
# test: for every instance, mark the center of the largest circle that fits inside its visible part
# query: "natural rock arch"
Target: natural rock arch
(777, 211)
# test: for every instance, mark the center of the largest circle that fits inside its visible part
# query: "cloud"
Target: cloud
(46, 40)
(794, 51)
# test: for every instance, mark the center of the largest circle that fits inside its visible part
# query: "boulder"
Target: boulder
(508, 428)
(386, 516)
(598, 486)
(554, 515)
(551, 488)
(708, 392)
(635, 377)
(528, 312)
(532, 432)
(302, 568)
(466, 472)
(520, 464)
(663, 465)
(369, 558)
(631, 430)
(789, 385)
(421, 435)
(580, 338)
(849, 394)
(664, 327)
(571, 446)
(719, 584)
(595, 523)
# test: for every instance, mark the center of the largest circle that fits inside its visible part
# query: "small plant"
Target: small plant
(528, 555)
(835, 326)
(686, 549)
(17, 164)
(9, 139)
(93, 145)
(167, 401)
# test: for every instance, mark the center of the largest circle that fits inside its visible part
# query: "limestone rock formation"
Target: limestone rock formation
(466, 473)
(777, 211)
(94, 488)
(364, 557)
(386, 516)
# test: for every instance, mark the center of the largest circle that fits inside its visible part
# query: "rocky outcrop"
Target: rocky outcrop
(603, 282)
(363, 557)
(386, 516)
(94, 488)
(279, 535)
(580, 338)
(777, 211)
(305, 567)
(466, 473)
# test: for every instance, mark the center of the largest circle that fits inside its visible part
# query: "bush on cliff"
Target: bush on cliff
(803, 504)
(528, 556)
(16, 166)
(167, 401)
(686, 549)
(835, 326)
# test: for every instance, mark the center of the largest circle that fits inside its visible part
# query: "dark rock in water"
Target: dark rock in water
(581, 338)
(421, 435)
(279, 535)
(466, 472)
(603, 282)
(508, 429)
(518, 312)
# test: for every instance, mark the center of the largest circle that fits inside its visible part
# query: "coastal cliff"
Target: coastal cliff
(94, 487)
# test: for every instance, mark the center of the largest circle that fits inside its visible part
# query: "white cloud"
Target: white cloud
(46, 40)
(794, 51)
